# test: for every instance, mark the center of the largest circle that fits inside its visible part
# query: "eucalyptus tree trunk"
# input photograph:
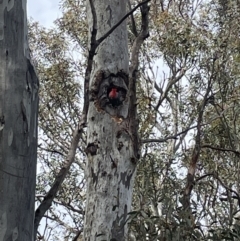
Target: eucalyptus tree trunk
(111, 144)
(18, 125)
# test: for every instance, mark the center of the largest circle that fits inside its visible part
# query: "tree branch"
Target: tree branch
(169, 137)
(173, 81)
(133, 74)
(77, 236)
(215, 175)
(220, 149)
(134, 29)
(227, 188)
(117, 24)
(197, 148)
(48, 199)
(52, 151)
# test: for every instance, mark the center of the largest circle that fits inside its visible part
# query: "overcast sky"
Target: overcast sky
(43, 11)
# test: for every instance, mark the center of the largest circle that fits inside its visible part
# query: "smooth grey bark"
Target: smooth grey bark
(111, 154)
(18, 125)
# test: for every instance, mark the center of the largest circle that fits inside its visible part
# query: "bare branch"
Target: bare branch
(172, 81)
(52, 151)
(133, 73)
(77, 236)
(134, 29)
(140, 38)
(203, 176)
(169, 137)
(197, 148)
(48, 199)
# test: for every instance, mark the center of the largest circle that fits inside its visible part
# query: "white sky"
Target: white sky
(43, 11)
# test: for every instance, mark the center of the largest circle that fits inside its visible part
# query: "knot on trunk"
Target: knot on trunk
(92, 149)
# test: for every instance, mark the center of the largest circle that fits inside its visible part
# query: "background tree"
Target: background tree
(59, 106)
(187, 108)
(198, 48)
(18, 125)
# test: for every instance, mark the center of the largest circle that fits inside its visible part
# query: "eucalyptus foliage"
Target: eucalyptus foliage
(188, 92)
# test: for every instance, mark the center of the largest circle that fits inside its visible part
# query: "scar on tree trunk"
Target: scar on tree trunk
(109, 93)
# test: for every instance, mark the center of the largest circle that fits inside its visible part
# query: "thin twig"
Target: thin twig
(169, 137)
